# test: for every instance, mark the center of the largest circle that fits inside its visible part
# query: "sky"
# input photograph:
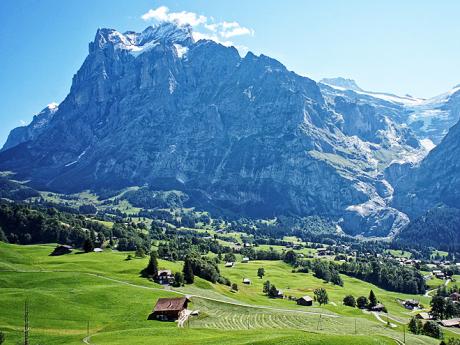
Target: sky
(403, 47)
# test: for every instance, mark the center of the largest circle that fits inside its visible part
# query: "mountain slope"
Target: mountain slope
(243, 134)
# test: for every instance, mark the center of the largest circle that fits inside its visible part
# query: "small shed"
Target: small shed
(97, 250)
(61, 250)
(169, 309)
(247, 281)
(305, 300)
(245, 260)
(229, 264)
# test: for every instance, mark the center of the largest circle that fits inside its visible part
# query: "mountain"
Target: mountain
(240, 134)
(33, 130)
(429, 118)
(434, 181)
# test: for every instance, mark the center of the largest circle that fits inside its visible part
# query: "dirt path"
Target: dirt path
(428, 293)
(377, 316)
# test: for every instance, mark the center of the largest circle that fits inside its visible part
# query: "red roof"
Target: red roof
(168, 304)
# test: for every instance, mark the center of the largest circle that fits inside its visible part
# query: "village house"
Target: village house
(305, 301)
(169, 309)
(411, 304)
(455, 296)
(165, 277)
(379, 307)
(246, 281)
(423, 316)
(451, 322)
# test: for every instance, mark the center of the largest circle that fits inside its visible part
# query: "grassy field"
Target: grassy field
(103, 289)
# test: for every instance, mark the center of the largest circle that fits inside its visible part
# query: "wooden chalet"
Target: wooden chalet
(165, 277)
(169, 309)
(455, 296)
(423, 316)
(411, 304)
(378, 307)
(247, 281)
(450, 323)
(62, 250)
(305, 301)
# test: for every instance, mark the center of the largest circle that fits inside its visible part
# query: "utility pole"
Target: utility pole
(87, 329)
(26, 322)
(319, 321)
(355, 327)
(404, 333)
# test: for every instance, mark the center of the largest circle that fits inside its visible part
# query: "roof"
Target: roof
(450, 322)
(246, 280)
(167, 304)
(168, 272)
(306, 298)
(424, 315)
(378, 306)
(411, 301)
(97, 250)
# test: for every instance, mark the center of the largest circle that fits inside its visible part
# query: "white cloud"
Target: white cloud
(162, 14)
(219, 32)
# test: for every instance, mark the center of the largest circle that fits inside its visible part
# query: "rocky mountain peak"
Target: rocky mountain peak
(348, 84)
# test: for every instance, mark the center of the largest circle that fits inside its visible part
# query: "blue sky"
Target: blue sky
(393, 46)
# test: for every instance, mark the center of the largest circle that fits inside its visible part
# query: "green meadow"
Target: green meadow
(102, 294)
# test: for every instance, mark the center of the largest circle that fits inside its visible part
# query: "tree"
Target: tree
(140, 252)
(151, 270)
(260, 272)
(290, 257)
(414, 326)
(432, 329)
(189, 277)
(266, 287)
(234, 287)
(362, 302)
(2, 337)
(372, 300)
(336, 279)
(321, 296)
(88, 245)
(178, 279)
(349, 301)
(273, 291)
(230, 257)
(449, 309)
(437, 307)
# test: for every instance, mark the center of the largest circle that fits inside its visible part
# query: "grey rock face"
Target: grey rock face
(242, 134)
(33, 130)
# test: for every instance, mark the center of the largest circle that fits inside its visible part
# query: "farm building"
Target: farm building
(305, 300)
(245, 260)
(450, 323)
(165, 277)
(423, 316)
(169, 309)
(378, 307)
(246, 281)
(97, 250)
(455, 296)
(61, 250)
(229, 264)
(411, 304)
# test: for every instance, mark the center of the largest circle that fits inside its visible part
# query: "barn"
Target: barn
(305, 300)
(169, 309)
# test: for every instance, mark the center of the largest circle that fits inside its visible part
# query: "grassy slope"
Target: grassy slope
(63, 299)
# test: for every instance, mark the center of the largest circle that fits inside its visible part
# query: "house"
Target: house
(455, 296)
(411, 304)
(378, 307)
(245, 260)
(61, 250)
(229, 264)
(165, 277)
(246, 281)
(169, 309)
(451, 322)
(305, 300)
(423, 316)
(321, 251)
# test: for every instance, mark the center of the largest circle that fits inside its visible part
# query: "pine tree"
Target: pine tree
(152, 268)
(266, 287)
(189, 277)
(372, 299)
(88, 245)
(260, 272)
(413, 326)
